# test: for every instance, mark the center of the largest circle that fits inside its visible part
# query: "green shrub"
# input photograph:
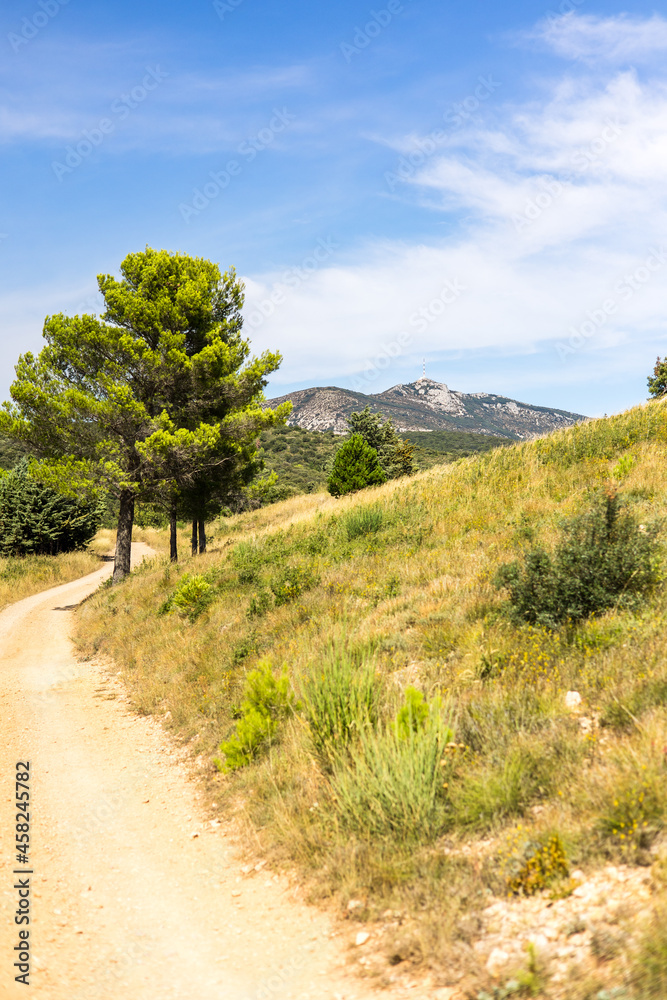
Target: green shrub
(495, 791)
(267, 700)
(340, 701)
(355, 466)
(191, 598)
(413, 714)
(36, 520)
(392, 786)
(247, 561)
(291, 583)
(604, 560)
(363, 521)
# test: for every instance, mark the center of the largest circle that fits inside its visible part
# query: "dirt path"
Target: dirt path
(134, 895)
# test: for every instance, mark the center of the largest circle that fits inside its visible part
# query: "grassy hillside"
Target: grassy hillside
(422, 760)
(301, 458)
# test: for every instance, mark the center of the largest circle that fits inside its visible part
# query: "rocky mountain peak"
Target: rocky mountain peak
(425, 405)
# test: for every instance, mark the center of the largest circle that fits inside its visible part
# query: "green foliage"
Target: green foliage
(436, 447)
(11, 452)
(291, 583)
(355, 466)
(392, 786)
(267, 701)
(605, 559)
(540, 866)
(247, 561)
(35, 519)
(301, 459)
(413, 714)
(191, 598)
(394, 454)
(657, 382)
(498, 790)
(157, 399)
(624, 466)
(363, 521)
(340, 700)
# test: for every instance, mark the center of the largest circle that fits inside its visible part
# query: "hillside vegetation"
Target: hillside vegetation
(386, 726)
(301, 458)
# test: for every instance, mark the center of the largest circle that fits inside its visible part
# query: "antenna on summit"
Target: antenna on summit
(424, 368)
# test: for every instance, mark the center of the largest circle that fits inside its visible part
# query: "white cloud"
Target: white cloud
(550, 213)
(591, 39)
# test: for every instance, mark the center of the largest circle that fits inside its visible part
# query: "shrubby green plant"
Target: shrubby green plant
(291, 583)
(363, 521)
(267, 701)
(392, 786)
(394, 453)
(413, 713)
(247, 561)
(340, 701)
(191, 598)
(355, 466)
(605, 559)
(37, 520)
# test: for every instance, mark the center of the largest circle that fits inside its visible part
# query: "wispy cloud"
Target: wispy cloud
(551, 207)
(594, 40)
(196, 112)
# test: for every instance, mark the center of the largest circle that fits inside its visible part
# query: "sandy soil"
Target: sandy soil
(134, 893)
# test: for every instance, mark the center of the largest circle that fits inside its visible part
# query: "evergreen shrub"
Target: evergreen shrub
(37, 520)
(605, 559)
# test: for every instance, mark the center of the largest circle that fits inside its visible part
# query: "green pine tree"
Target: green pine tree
(150, 396)
(355, 466)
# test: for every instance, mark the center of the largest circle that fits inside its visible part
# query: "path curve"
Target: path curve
(135, 895)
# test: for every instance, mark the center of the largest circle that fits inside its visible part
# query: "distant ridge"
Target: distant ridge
(425, 405)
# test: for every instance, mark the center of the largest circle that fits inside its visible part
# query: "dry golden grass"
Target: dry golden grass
(416, 597)
(28, 575)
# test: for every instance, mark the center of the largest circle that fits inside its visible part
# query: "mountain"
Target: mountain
(425, 405)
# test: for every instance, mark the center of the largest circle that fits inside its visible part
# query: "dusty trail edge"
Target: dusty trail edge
(134, 893)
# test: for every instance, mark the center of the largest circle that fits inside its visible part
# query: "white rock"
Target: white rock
(361, 938)
(572, 700)
(540, 942)
(355, 904)
(496, 962)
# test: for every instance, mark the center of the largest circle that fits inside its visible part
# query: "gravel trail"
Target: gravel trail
(134, 894)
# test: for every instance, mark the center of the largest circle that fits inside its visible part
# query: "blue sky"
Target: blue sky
(482, 185)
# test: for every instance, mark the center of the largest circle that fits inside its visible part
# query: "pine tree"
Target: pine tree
(37, 520)
(150, 396)
(657, 383)
(355, 466)
(395, 454)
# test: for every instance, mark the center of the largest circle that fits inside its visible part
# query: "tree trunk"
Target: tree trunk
(202, 537)
(173, 540)
(124, 537)
(194, 536)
